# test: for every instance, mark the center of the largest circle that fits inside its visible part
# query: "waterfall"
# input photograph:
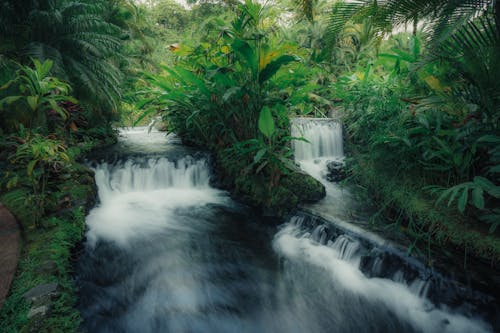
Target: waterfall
(324, 136)
(139, 197)
(359, 268)
(166, 252)
(152, 174)
(324, 145)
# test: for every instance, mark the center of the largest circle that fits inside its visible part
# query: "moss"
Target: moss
(307, 188)
(293, 188)
(52, 242)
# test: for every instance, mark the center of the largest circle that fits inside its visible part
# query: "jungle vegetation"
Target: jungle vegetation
(414, 82)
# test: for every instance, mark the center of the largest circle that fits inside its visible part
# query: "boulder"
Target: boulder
(335, 171)
(39, 311)
(42, 294)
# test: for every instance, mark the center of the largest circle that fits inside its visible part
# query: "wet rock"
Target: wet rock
(42, 294)
(305, 187)
(335, 171)
(40, 311)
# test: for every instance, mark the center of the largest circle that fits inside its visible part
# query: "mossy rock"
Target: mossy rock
(306, 188)
(294, 188)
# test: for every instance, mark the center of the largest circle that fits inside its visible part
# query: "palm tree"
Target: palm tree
(84, 46)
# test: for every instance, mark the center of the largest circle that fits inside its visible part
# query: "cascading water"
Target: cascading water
(324, 144)
(165, 252)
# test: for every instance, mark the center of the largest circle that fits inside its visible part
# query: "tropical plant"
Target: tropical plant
(75, 35)
(42, 158)
(217, 92)
(33, 96)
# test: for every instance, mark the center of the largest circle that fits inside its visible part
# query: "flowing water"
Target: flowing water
(166, 252)
(325, 144)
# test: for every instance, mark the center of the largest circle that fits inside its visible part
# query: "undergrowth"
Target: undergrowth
(48, 242)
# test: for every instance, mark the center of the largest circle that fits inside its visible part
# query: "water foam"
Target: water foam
(137, 199)
(339, 259)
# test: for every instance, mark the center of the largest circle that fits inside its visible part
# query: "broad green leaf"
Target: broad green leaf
(489, 138)
(259, 155)
(192, 79)
(462, 201)
(478, 197)
(266, 122)
(6, 85)
(484, 183)
(453, 193)
(403, 55)
(247, 53)
(230, 92)
(274, 66)
(32, 102)
(8, 100)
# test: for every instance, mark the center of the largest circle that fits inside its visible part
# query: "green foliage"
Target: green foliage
(42, 159)
(32, 96)
(217, 92)
(222, 94)
(76, 35)
(266, 122)
(52, 244)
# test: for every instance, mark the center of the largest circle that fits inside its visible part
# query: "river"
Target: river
(166, 252)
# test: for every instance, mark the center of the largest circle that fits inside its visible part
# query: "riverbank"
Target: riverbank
(42, 296)
(436, 230)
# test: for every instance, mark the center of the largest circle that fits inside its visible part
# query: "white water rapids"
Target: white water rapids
(166, 252)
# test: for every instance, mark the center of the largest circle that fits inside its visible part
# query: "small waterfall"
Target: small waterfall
(151, 174)
(141, 196)
(404, 286)
(324, 136)
(324, 146)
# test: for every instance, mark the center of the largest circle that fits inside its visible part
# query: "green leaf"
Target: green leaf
(462, 201)
(230, 92)
(484, 183)
(8, 100)
(32, 102)
(31, 167)
(272, 67)
(266, 122)
(489, 138)
(259, 155)
(247, 53)
(262, 166)
(6, 85)
(192, 79)
(478, 197)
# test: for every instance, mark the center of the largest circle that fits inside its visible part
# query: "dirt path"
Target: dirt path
(9, 250)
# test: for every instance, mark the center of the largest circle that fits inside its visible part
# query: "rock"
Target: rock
(39, 311)
(42, 294)
(336, 171)
(48, 267)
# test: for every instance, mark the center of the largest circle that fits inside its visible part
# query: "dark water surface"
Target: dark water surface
(165, 252)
